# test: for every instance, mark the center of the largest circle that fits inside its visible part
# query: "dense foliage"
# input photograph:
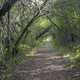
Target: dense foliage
(67, 36)
(28, 24)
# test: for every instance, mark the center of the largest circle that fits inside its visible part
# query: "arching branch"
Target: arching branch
(30, 23)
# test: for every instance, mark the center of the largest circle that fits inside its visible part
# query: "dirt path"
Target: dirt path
(44, 66)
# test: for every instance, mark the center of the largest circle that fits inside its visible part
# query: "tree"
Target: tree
(16, 26)
(6, 6)
(66, 14)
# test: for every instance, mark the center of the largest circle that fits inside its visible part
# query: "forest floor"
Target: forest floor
(45, 66)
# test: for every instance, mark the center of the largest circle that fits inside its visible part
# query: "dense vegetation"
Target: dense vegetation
(27, 24)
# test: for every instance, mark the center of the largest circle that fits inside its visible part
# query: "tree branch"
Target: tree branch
(56, 26)
(30, 23)
(42, 33)
(47, 29)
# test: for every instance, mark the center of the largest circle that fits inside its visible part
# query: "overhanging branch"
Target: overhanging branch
(42, 33)
(47, 29)
(30, 23)
(55, 25)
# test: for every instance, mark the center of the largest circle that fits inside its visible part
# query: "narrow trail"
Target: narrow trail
(44, 66)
